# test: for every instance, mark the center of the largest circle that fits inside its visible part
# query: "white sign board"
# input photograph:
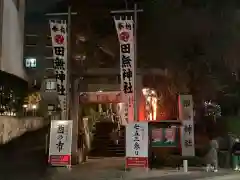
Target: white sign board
(137, 142)
(60, 145)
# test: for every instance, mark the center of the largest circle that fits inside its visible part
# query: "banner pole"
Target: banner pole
(69, 61)
(68, 73)
(135, 66)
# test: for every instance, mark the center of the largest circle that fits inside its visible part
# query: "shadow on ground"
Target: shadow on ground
(24, 158)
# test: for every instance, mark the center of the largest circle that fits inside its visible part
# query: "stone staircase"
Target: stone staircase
(104, 142)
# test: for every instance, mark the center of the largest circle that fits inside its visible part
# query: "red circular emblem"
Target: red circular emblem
(59, 39)
(124, 36)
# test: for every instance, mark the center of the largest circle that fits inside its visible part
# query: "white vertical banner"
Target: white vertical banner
(137, 142)
(125, 36)
(185, 104)
(60, 145)
(187, 138)
(59, 45)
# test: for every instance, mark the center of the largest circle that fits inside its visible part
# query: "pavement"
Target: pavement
(112, 169)
(24, 159)
(113, 174)
(21, 160)
(222, 177)
(193, 176)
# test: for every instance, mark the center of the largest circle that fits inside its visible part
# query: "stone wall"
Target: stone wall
(11, 127)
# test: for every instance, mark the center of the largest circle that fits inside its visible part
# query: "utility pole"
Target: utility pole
(136, 96)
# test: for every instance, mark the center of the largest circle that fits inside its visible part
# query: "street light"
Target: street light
(34, 107)
(25, 106)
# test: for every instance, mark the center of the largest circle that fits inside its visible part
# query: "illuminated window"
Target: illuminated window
(50, 84)
(31, 63)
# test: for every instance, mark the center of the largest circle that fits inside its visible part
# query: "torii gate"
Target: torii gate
(111, 97)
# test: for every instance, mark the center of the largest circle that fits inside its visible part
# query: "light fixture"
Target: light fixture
(34, 106)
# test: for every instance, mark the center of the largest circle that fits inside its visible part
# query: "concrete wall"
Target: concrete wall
(11, 127)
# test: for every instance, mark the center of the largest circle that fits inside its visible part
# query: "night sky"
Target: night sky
(170, 26)
(40, 6)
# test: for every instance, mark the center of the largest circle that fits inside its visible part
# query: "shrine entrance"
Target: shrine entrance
(104, 123)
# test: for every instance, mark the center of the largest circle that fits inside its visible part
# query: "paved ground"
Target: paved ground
(25, 159)
(22, 159)
(113, 174)
(112, 169)
(222, 177)
(194, 176)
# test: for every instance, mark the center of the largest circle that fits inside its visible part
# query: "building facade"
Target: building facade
(12, 37)
(13, 79)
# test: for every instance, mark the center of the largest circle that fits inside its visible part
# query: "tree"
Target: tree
(190, 40)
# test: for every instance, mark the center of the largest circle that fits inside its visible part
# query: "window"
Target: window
(30, 63)
(112, 80)
(31, 40)
(48, 52)
(50, 84)
(48, 63)
(49, 41)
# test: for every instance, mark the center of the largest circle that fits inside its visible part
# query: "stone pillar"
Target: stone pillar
(100, 108)
(74, 108)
